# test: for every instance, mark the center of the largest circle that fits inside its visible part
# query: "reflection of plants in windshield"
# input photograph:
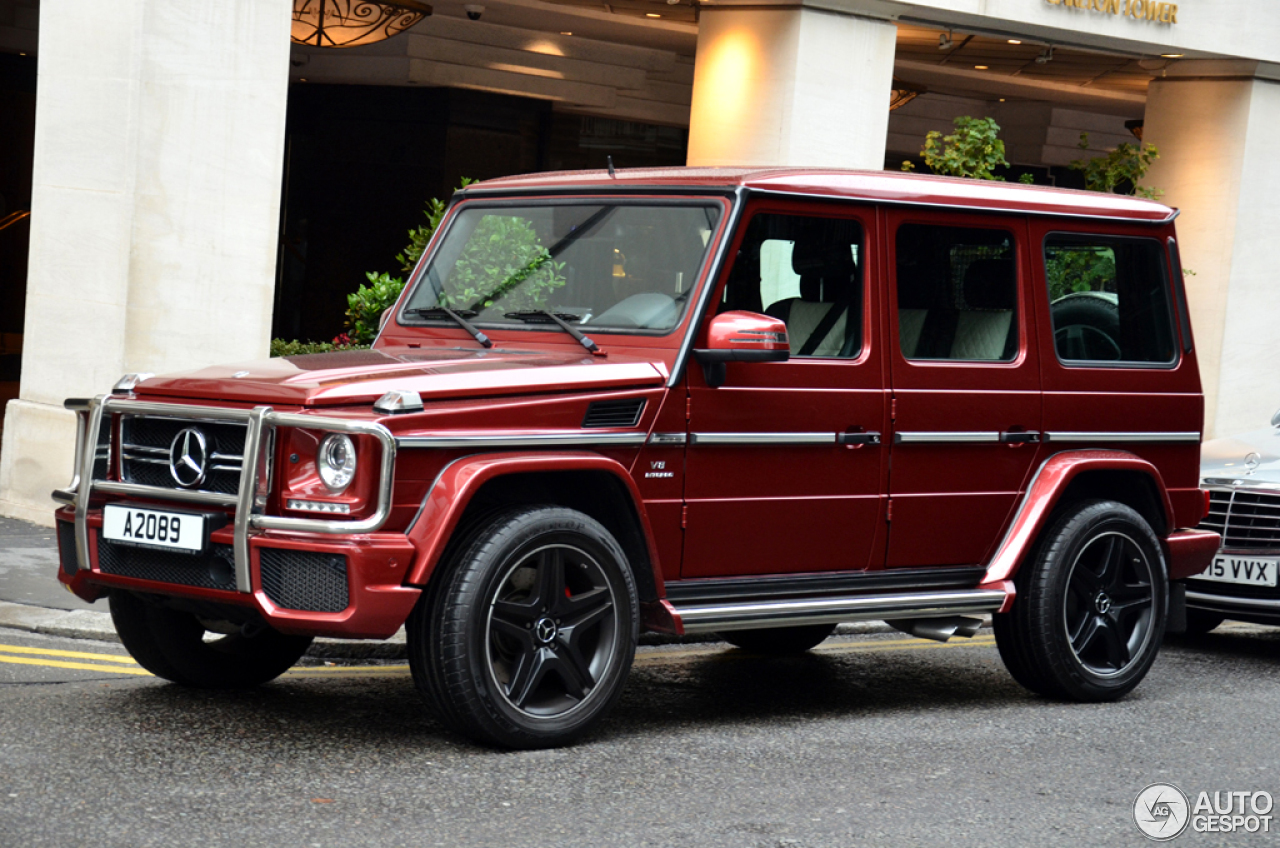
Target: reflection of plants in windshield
(503, 260)
(1079, 270)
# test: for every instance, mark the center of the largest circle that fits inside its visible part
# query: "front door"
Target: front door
(781, 477)
(966, 384)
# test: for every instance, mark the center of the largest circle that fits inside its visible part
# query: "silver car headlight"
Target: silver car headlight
(336, 462)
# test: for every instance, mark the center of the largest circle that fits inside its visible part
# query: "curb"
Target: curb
(91, 624)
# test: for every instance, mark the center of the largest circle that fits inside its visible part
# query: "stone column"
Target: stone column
(158, 162)
(1215, 124)
(790, 87)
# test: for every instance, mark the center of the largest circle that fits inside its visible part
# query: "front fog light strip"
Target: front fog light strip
(320, 506)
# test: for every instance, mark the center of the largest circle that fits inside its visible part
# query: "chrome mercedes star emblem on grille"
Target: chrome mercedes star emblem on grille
(188, 456)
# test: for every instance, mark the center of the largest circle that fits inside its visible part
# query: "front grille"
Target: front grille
(67, 547)
(215, 569)
(302, 580)
(145, 444)
(1246, 520)
(614, 413)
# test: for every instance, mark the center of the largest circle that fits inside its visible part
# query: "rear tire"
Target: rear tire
(1091, 605)
(171, 644)
(528, 633)
(779, 640)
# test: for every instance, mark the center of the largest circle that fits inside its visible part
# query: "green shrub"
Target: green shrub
(366, 304)
(281, 347)
(973, 150)
(1120, 171)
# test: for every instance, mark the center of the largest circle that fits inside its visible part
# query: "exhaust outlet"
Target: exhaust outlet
(938, 629)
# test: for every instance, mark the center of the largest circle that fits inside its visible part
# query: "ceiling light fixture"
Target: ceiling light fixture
(982, 67)
(350, 23)
(945, 42)
(901, 94)
(1014, 41)
(652, 15)
(1172, 55)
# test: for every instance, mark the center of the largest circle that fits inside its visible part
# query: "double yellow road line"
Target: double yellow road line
(124, 664)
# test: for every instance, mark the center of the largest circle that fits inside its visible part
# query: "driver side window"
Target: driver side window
(807, 272)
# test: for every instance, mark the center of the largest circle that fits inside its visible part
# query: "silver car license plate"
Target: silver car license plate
(1247, 570)
(154, 528)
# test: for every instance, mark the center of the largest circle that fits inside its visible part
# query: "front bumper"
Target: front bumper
(345, 574)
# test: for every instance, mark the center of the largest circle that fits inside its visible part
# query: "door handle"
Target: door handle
(1024, 437)
(857, 439)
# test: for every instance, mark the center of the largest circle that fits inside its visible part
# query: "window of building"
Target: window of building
(1109, 298)
(957, 293)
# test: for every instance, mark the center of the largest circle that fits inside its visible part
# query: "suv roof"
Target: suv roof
(881, 186)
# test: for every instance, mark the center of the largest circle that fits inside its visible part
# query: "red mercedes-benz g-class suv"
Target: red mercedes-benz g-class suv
(751, 402)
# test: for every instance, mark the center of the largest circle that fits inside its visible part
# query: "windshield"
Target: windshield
(625, 266)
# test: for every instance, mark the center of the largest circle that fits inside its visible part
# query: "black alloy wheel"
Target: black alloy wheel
(1110, 607)
(1091, 604)
(526, 641)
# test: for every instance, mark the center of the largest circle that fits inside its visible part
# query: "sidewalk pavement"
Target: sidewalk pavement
(32, 599)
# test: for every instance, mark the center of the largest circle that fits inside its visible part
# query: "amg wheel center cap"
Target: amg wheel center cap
(1102, 603)
(545, 631)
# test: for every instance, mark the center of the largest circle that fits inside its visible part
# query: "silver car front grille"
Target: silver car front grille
(147, 452)
(1246, 519)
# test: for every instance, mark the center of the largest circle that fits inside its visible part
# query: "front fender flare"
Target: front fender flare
(1043, 493)
(458, 482)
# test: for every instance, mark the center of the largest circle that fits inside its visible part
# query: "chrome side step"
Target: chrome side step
(755, 615)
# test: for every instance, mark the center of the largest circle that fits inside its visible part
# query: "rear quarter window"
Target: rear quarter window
(1109, 299)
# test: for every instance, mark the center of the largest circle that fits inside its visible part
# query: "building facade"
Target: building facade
(196, 183)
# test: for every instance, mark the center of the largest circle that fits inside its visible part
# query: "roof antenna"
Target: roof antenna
(612, 173)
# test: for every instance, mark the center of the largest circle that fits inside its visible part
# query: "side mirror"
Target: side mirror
(1275, 419)
(741, 337)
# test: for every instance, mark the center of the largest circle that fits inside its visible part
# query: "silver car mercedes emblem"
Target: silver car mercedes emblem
(1252, 461)
(188, 457)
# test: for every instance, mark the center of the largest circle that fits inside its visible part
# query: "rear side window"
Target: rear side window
(957, 293)
(1109, 298)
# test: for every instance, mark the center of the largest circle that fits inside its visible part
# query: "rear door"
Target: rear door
(770, 487)
(966, 383)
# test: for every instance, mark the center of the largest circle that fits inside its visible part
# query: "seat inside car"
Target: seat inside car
(818, 320)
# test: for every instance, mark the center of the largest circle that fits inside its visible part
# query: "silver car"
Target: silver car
(1242, 474)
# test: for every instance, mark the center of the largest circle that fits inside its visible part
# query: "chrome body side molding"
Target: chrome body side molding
(752, 615)
(946, 437)
(1093, 437)
(763, 438)
(524, 440)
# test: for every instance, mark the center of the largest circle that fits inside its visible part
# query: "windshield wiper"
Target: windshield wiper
(542, 316)
(459, 318)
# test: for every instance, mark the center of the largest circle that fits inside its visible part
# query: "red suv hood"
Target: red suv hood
(362, 376)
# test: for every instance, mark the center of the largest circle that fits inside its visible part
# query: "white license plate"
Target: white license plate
(153, 528)
(1249, 570)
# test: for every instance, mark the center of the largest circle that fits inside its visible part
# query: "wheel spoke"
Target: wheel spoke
(1083, 634)
(551, 579)
(574, 671)
(585, 609)
(1117, 648)
(1129, 598)
(1085, 583)
(531, 667)
(513, 625)
(1108, 573)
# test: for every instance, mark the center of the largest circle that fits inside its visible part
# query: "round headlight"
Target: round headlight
(337, 462)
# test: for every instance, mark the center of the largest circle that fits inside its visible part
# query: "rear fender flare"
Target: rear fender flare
(1044, 492)
(458, 483)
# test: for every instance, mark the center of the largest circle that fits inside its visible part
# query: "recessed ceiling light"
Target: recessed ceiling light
(566, 33)
(1172, 55)
(1001, 99)
(1014, 41)
(304, 79)
(981, 67)
(652, 15)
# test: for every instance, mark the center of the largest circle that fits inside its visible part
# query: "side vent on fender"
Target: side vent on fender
(614, 413)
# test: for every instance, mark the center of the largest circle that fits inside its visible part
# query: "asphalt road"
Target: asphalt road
(866, 741)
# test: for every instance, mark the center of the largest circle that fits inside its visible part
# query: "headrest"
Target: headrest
(990, 284)
(825, 268)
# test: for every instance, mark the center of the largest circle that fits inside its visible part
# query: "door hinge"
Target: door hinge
(888, 511)
(688, 408)
(684, 516)
(893, 409)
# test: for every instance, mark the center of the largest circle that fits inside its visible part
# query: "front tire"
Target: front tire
(171, 644)
(1090, 611)
(528, 636)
